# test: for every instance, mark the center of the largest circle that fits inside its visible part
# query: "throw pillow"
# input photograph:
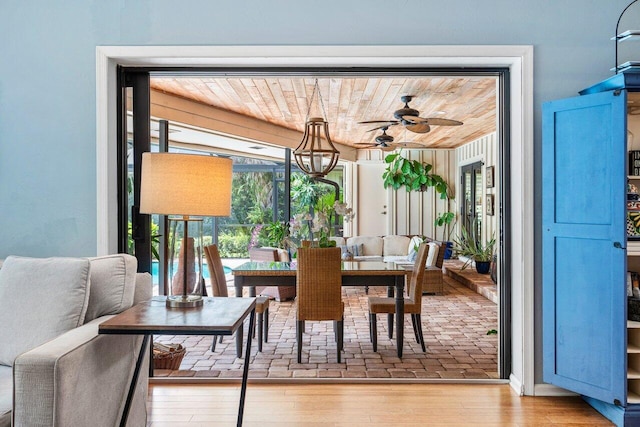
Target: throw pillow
(354, 250)
(432, 256)
(113, 281)
(414, 244)
(40, 299)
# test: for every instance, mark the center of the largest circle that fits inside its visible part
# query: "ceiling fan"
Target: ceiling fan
(385, 142)
(411, 120)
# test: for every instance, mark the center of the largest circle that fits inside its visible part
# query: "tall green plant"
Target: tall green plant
(446, 220)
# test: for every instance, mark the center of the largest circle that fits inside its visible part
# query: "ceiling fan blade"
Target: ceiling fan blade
(413, 119)
(388, 122)
(364, 143)
(388, 148)
(442, 122)
(418, 128)
(409, 145)
(432, 121)
(383, 127)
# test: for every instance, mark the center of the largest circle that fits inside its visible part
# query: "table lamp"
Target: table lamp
(186, 185)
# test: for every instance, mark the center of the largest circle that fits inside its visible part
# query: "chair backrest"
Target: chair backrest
(319, 284)
(417, 276)
(216, 271)
(263, 254)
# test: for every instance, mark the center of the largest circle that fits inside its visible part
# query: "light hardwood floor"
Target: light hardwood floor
(288, 405)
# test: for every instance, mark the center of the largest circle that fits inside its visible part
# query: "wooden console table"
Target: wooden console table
(218, 316)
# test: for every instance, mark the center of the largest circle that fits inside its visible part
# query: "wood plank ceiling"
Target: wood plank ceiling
(284, 101)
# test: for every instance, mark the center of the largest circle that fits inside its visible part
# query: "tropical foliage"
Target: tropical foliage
(412, 174)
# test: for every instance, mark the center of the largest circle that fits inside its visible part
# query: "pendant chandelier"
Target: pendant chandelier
(316, 155)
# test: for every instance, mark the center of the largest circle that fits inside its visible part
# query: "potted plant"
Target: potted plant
(475, 251)
(445, 220)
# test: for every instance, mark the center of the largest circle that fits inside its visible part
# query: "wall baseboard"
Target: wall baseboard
(551, 390)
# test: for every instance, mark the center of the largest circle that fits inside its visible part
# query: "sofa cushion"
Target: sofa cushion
(6, 395)
(432, 256)
(40, 298)
(396, 258)
(371, 245)
(395, 245)
(113, 281)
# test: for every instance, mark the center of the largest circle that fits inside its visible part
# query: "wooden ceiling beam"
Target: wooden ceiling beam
(181, 110)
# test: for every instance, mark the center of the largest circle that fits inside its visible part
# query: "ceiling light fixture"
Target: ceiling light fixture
(316, 155)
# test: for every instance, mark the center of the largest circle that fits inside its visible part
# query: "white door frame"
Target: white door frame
(519, 60)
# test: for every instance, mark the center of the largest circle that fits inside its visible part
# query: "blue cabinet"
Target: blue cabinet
(585, 249)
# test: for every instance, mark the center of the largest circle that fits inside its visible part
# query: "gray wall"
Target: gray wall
(47, 77)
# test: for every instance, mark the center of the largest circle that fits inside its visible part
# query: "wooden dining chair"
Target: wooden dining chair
(319, 287)
(412, 304)
(219, 289)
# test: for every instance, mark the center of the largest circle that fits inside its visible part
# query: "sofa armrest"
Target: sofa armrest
(80, 378)
(144, 288)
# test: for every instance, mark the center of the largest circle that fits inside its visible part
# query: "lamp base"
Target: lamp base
(181, 301)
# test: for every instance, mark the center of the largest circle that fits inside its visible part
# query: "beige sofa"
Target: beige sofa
(55, 369)
(400, 250)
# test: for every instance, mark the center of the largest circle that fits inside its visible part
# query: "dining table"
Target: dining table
(354, 273)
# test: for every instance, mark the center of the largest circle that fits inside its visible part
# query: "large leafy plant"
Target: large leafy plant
(412, 174)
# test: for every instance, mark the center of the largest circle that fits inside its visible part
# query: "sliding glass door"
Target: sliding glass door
(471, 181)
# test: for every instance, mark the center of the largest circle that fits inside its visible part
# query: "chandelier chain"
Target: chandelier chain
(316, 87)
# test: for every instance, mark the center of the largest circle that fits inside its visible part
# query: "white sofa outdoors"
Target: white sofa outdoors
(394, 248)
(398, 249)
(55, 369)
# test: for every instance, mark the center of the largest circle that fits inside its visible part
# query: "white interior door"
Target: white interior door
(373, 201)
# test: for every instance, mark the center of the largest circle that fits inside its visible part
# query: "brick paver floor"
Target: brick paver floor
(455, 327)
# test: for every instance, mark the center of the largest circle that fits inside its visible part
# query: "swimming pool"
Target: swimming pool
(205, 270)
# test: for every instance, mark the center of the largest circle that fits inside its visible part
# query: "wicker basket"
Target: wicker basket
(167, 356)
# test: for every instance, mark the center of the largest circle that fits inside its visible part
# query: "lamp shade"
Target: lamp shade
(185, 184)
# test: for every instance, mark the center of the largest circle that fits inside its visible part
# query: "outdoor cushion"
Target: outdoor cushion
(434, 248)
(40, 298)
(371, 245)
(395, 245)
(113, 280)
(396, 258)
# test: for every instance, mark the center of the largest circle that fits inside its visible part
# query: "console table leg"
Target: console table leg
(245, 372)
(134, 380)
(399, 314)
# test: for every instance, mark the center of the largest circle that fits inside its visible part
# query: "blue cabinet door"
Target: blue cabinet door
(584, 240)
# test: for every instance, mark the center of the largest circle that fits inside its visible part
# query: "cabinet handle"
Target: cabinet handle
(618, 245)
